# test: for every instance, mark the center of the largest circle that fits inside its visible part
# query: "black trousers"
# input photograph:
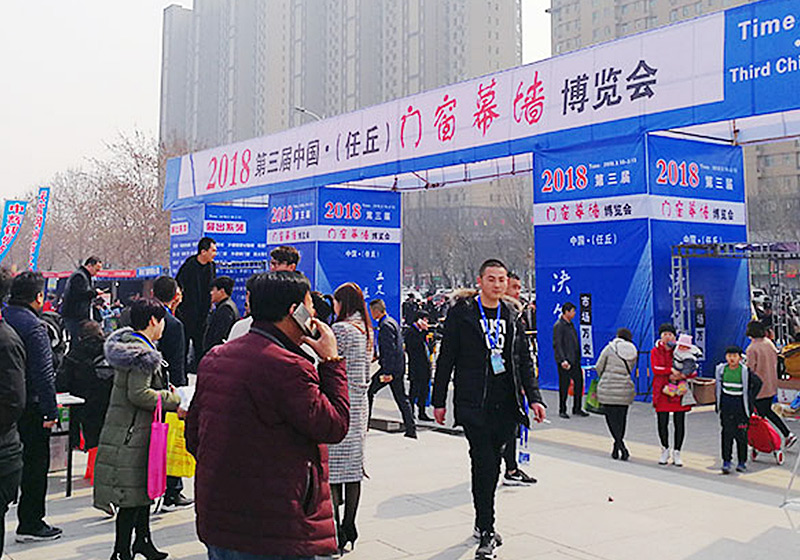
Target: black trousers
(194, 334)
(35, 464)
(9, 485)
(617, 422)
(400, 398)
(174, 487)
(510, 452)
(679, 420)
(488, 434)
(764, 409)
(734, 428)
(420, 377)
(574, 374)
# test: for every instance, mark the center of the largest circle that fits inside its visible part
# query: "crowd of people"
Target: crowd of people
(292, 380)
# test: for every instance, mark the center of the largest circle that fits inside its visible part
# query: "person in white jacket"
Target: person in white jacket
(615, 389)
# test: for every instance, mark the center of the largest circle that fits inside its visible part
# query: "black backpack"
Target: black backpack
(58, 334)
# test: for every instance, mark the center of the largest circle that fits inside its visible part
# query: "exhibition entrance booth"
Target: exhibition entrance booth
(634, 146)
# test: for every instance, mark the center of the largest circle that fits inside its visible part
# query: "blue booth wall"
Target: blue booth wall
(343, 235)
(240, 233)
(605, 221)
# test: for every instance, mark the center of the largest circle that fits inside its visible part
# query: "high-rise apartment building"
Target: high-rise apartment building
(773, 189)
(236, 69)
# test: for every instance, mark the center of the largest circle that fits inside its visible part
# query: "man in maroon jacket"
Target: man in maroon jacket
(258, 425)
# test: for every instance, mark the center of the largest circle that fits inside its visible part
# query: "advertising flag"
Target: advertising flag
(42, 202)
(13, 214)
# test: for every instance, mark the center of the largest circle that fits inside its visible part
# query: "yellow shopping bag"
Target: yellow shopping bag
(179, 462)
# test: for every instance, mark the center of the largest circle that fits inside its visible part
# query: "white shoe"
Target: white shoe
(676, 459)
(664, 456)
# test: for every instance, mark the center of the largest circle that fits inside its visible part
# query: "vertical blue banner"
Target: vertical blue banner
(13, 214)
(698, 197)
(42, 203)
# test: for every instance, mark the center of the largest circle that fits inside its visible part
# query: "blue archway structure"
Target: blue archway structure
(635, 145)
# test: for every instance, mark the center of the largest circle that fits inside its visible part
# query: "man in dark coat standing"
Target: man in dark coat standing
(258, 425)
(12, 403)
(225, 313)
(41, 411)
(484, 344)
(567, 352)
(195, 277)
(172, 346)
(79, 294)
(419, 362)
(393, 365)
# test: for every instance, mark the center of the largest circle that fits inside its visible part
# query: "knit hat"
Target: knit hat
(685, 340)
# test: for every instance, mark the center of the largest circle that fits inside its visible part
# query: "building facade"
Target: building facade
(236, 69)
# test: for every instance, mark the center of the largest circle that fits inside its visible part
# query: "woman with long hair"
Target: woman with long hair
(353, 332)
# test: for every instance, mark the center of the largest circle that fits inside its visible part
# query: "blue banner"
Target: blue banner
(240, 233)
(343, 235)
(13, 214)
(610, 254)
(608, 261)
(42, 202)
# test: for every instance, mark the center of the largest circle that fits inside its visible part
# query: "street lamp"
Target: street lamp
(307, 112)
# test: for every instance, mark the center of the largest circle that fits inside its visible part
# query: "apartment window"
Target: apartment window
(673, 15)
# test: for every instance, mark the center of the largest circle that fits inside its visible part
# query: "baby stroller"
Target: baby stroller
(763, 438)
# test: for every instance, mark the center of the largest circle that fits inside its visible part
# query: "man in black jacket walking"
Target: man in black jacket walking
(195, 277)
(225, 313)
(12, 403)
(485, 345)
(393, 365)
(41, 411)
(567, 352)
(79, 294)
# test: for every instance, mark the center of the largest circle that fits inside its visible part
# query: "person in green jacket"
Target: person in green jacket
(736, 392)
(122, 456)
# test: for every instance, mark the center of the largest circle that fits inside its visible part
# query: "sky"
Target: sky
(76, 73)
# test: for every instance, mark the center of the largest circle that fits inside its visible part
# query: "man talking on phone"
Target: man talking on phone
(393, 365)
(257, 397)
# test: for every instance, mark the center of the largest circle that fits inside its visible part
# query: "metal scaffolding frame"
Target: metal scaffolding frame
(775, 253)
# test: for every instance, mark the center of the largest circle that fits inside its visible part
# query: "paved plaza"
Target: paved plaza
(417, 505)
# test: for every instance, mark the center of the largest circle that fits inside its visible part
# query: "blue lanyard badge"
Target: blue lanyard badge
(494, 337)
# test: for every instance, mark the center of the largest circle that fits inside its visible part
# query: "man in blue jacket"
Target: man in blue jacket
(172, 346)
(41, 411)
(12, 403)
(393, 365)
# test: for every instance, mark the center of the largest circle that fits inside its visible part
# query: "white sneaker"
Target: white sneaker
(676, 458)
(664, 456)
(790, 441)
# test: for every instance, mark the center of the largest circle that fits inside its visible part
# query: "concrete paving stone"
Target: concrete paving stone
(417, 504)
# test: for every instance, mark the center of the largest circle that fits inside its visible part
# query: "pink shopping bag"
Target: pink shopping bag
(157, 459)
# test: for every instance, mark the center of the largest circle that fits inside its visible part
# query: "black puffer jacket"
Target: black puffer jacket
(12, 397)
(463, 349)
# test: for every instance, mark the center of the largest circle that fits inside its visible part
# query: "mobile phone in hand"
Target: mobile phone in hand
(302, 316)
